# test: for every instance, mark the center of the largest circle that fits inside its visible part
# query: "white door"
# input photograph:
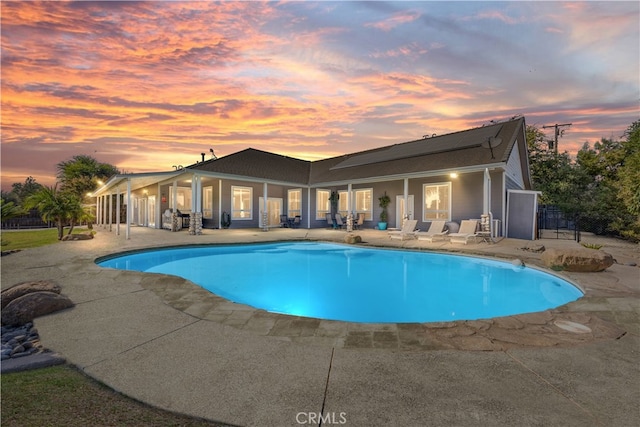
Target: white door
(274, 209)
(401, 212)
(142, 212)
(151, 211)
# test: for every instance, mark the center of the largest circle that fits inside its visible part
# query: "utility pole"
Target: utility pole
(557, 134)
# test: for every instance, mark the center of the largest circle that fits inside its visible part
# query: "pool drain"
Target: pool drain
(572, 326)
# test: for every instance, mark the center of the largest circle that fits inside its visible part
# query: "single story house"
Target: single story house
(456, 176)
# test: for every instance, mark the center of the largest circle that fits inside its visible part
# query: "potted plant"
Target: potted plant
(383, 202)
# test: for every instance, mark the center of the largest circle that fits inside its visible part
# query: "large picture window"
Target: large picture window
(437, 201)
(294, 203)
(207, 202)
(242, 202)
(343, 200)
(322, 204)
(363, 203)
(183, 198)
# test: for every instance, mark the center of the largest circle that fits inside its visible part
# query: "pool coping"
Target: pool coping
(529, 330)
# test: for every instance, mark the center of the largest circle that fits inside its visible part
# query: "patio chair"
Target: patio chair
(297, 220)
(408, 230)
(435, 232)
(330, 222)
(284, 221)
(339, 222)
(468, 228)
(359, 222)
(486, 228)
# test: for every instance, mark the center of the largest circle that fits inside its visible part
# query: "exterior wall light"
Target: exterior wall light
(453, 175)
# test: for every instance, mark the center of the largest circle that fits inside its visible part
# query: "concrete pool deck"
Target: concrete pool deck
(166, 342)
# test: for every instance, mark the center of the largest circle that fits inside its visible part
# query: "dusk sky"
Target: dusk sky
(149, 85)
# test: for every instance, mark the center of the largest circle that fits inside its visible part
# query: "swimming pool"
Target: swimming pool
(356, 284)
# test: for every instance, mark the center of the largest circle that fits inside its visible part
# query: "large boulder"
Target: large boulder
(578, 260)
(23, 288)
(35, 304)
(352, 239)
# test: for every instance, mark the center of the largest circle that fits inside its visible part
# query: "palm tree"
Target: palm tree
(55, 205)
(81, 173)
(9, 210)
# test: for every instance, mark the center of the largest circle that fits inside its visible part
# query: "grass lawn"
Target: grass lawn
(24, 239)
(63, 396)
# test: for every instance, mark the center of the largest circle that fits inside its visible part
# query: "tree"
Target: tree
(602, 186)
(9, 210)
(81, 173)
(55, 205)
(628, 184)
(20, 191)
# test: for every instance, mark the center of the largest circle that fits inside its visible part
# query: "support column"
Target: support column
(349, 208)
(265, 212)
(220, 204)
(128, 227)
(199, 195)
(192, 214)
(118, 211)
(174, 207)
(405, 194)
(110, 210)
(98, 210)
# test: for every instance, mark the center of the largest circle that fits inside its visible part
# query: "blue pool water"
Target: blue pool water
(339, 282)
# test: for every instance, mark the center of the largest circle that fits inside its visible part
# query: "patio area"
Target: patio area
(167, 342)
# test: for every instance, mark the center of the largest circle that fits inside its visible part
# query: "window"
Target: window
(294, 203)
(343, 200)
(437, 201)
(363, 202)
(183, 198)
(322, 204)
(242, 206)
(207, 205)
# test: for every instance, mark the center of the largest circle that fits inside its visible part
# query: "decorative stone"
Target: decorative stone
(32, 305)
(24, 288)
(352, 239)
(577, 260)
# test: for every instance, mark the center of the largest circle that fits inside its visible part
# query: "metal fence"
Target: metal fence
(30, 220)
(555, 224)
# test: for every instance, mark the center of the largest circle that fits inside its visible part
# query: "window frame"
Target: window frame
(425, 211)
(234, 211)
(368, 214)
(290, 211)
(322, 214)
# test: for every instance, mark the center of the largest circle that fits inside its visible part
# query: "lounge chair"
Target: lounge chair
(436, 231)
(468, 228)
(330, 221)
(408, 230)
(339, 222)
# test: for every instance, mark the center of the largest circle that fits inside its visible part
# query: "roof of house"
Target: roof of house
(259, 164)
(473, 148)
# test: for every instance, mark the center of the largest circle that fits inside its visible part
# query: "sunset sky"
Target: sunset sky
(149, 85)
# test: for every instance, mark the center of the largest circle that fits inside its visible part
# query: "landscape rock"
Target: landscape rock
(577, 260)
(352, 239)
(23, 288)
(27, 307)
